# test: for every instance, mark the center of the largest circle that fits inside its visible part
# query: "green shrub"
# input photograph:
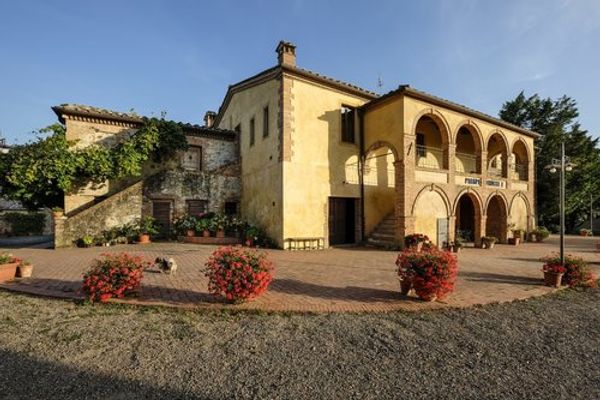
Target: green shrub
(24, 224)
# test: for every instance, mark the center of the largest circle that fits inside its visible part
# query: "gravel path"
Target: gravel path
(544, 348)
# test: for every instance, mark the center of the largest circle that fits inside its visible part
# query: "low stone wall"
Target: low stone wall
(210, 240)
(117, 210)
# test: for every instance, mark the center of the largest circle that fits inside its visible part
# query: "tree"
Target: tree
(556, 120)
(39, 173)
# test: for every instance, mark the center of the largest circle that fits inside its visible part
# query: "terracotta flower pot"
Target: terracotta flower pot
(405, 286)
(190, 233)
(514, 241)
(206, 233)
(143, 239)
(8, 272)
(553, 279)
(221, 234)
(428, 297)
(24, 271)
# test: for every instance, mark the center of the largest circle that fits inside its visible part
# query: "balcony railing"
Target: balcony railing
(466, 163)
(495, 172)
(519, 172)
(430, 157)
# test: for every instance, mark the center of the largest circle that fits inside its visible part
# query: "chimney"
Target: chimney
(286, 53)
(209, 119)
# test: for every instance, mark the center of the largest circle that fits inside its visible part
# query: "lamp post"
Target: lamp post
(562, 165)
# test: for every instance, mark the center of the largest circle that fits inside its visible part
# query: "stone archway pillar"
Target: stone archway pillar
(452, 228)
(482, 230)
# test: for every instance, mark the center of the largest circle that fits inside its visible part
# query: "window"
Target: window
(421, 151)
(252, 131)
(196, 207)
(192, 159)
(348, 124)
(266, 121)
(231, 207)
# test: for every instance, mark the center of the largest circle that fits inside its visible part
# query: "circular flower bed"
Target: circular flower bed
(238, 274)
(431, 272)
(114, 275)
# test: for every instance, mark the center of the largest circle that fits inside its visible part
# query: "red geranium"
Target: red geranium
(576, 270)
(115, 275)
(433, 273)
(238, 274)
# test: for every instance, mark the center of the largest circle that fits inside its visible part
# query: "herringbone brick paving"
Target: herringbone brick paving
(333, 280)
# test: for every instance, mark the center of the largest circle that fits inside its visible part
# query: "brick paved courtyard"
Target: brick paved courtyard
(350, 279)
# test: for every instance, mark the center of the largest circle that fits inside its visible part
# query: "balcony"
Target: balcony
(519, 172)
(466, 163)
(430, 157)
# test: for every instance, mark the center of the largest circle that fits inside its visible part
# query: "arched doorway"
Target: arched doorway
(431, 216)
(496, 223)
(468, 218)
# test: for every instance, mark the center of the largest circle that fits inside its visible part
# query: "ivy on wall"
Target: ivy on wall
(39, 173)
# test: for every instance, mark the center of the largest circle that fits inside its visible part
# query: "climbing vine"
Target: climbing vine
(39, 173)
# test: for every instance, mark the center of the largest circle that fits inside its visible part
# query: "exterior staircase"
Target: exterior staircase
(383, 236)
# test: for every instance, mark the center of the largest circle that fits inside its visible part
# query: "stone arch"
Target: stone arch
(497, 217)
(431, 205)
(468, 214)
(527, 149)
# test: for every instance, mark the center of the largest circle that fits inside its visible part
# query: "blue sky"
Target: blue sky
(179, 56)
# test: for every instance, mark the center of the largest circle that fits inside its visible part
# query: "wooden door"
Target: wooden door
(161, 211)
(341, 220)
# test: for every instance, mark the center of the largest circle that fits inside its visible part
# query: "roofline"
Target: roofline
(193, 130)
(419, 95)
(276, 72)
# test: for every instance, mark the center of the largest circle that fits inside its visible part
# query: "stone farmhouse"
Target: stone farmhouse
(306, 156)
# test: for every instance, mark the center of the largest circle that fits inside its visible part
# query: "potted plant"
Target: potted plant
(432, 273)
(575, 270)
(203, 225)
(251, 234)
(553, 273)
(8, 267)
(516, 239)
(238, 274)
(219, 225)
(457, 245)
(415, 241)
(86, 241)
(146, 228)
(186, 225)
(57, 212)
(488, 242)
(541, 234)
(585, 232)
(24, 269)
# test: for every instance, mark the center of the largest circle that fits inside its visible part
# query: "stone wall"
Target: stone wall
(117, 210)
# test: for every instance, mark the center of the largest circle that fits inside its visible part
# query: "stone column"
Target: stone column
(59, 231)
(482, 230)
(483, 165)
(451, 163)
(405, 176)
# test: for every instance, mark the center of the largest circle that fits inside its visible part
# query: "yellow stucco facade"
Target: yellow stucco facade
(431, 165)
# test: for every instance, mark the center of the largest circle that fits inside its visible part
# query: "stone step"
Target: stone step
(384, 236)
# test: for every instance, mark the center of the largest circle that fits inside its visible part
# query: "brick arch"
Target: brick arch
(527, 149)
(524, 197)
(474, 128)
(439, 119)
(496, 193)
(474, 194)
(434, 188)
(475, 199)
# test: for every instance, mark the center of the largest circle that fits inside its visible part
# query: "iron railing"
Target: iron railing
(466, 160)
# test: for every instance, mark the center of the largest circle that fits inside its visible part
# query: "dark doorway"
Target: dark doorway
(465, 219)
(161, 211)
(496, 224)
(342, 220)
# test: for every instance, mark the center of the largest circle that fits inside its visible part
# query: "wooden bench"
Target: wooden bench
(308, 243)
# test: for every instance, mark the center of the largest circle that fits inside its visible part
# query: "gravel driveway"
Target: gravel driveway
(543, 348)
